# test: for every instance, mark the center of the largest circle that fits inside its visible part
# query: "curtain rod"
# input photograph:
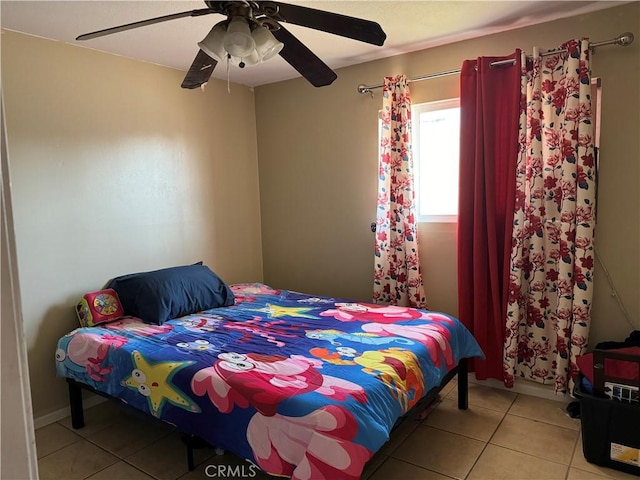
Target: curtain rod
(623, 40)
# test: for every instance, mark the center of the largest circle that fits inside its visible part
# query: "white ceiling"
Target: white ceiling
(409, 25)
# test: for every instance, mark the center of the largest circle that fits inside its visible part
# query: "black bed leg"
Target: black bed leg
(75, 402)
(192, 442)
(190, 463)
(463, 385)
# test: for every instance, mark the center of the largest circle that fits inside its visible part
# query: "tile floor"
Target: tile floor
(503, 435)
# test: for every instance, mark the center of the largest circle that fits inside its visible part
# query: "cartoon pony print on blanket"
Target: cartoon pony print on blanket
(434, 336)
(201, 324)
(263, 381)
(246, 292)
(137, 327)
(269, 330)
(191, 343)
(397, 368)
(317, 446)
(366, 312)
(385, 323)
(334, 336)
(85, 353)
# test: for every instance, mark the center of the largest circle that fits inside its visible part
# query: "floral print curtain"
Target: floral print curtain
(551, 268)
(397, 279)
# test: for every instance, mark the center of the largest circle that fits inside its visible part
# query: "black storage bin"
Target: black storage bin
(610, 428)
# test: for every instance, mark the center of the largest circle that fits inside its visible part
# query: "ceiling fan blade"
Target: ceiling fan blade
(144, 23)
(200, 71)
(304, 60)
(335, 23)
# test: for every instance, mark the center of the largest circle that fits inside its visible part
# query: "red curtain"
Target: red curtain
(489, 110)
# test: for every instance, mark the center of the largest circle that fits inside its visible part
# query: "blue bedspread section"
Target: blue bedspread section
(302, 386)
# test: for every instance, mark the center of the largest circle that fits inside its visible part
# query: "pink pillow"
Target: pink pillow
(99, 307)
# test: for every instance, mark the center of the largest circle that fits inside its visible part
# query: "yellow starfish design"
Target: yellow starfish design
(276, 311)
(154, 382)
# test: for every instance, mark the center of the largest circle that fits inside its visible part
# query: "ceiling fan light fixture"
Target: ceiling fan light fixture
(267, 45)
(252, 59)
(212, 44)
(238, 41)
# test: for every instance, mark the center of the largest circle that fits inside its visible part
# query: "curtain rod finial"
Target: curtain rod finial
(362, 89)
(625, 39)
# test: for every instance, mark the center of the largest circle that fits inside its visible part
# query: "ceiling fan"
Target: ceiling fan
(253, 32)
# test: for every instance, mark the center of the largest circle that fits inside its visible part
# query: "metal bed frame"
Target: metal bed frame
(193, 442)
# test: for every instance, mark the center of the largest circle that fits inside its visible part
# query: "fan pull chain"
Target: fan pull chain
(228, 70)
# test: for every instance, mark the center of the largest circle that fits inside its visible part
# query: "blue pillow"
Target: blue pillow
(162, 295)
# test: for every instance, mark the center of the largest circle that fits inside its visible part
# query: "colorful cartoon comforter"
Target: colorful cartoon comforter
(300, 385)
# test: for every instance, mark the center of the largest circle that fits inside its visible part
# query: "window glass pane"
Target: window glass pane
(436, 148)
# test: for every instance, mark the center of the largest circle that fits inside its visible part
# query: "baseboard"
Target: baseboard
(49, 418)
(525, 387)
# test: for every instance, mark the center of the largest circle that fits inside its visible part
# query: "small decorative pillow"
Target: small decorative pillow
(99, 307)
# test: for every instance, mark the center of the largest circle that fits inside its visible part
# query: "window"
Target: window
(436, 152)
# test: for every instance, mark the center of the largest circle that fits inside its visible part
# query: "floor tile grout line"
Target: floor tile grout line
(424, 468)
(504, 415)
(573, 453)
(140, 469)
(371, 474)
(102, 469)
(529, 418)
(531, 455)
(76, 430)
(475, 405)
(456, 433)
(476, 461)
(400, 442)
(471, 404)
(543, 421)
(57, 449)
(129, 453)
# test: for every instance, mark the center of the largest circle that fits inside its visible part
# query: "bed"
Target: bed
(303, 386)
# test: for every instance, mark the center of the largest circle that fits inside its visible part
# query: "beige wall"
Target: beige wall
(116, 169)
(317, 151)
